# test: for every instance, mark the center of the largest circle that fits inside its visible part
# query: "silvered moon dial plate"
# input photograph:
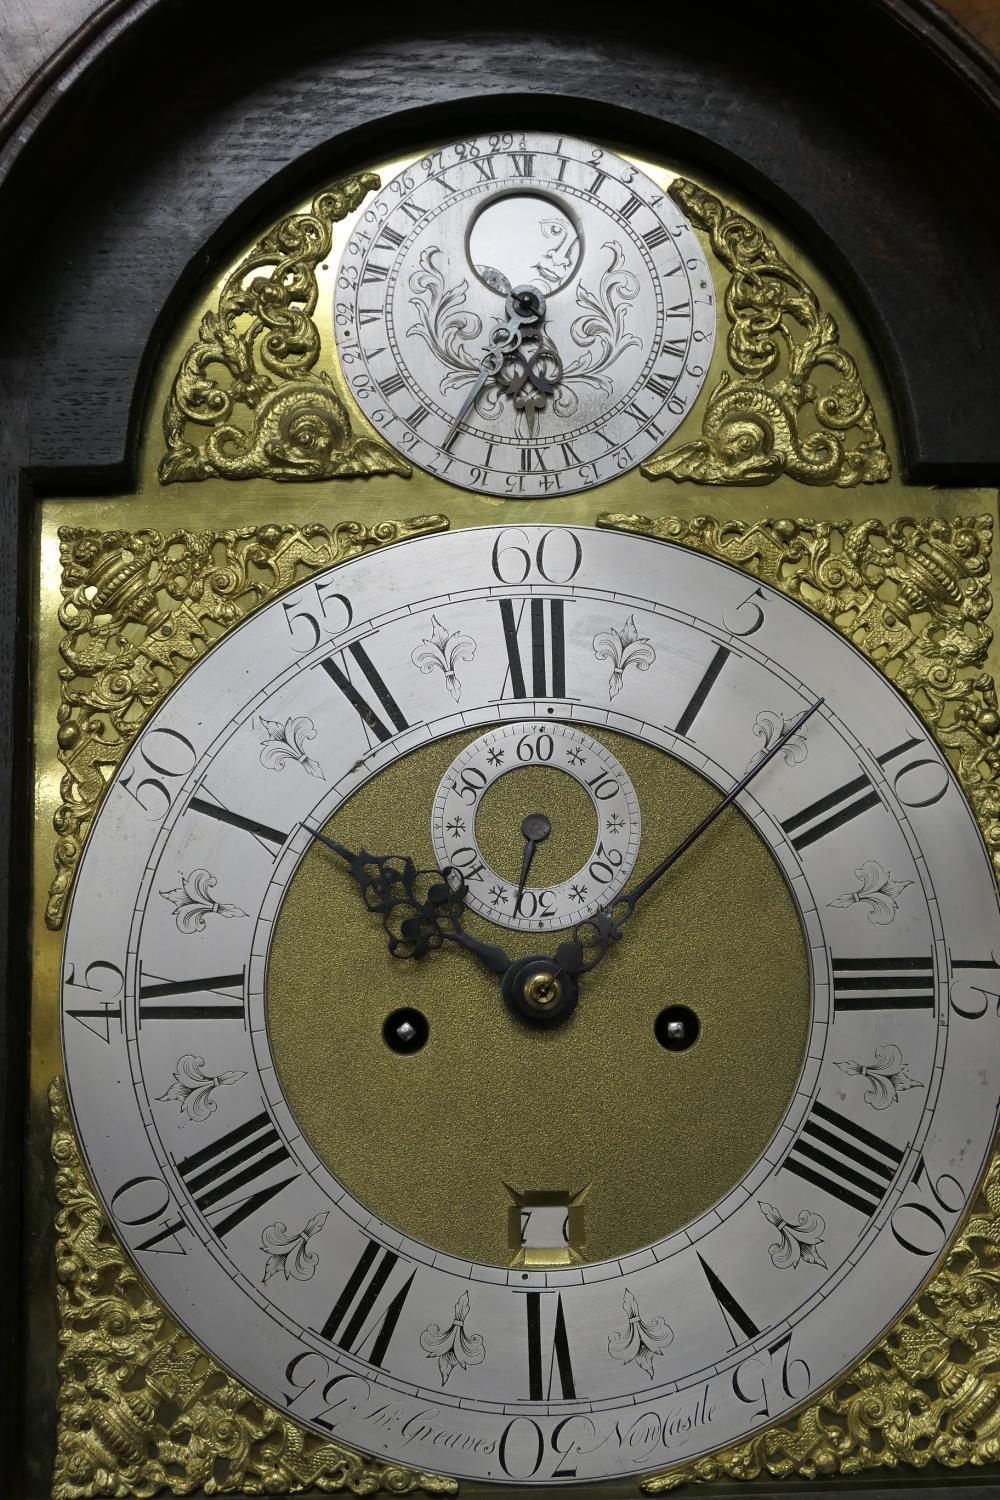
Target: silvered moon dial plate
(515, 1373)
(628, 329)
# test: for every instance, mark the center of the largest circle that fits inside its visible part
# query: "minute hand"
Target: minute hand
(606, 926)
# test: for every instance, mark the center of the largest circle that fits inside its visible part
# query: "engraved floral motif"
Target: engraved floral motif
(453, 1345)
(640, 1341)
(284, 742)
(877, 890)
(600, 331)
(796, 1242)
(290, 1253)
(449, 329)
(193, 902)
(623, 648)
(440, 652)
(769, 726)
(887, 1076)
(454, 335)
(192, 1088)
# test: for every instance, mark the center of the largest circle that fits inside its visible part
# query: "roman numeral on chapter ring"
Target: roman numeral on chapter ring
(262, 832)
(702, 691)
(736, 1317)
(354, 1318)
(560, 1364)
(242, 1156)
(369, 718)
(844, 1159)
(202, 999)
(548, 647)
(883, 983)
(830, 812)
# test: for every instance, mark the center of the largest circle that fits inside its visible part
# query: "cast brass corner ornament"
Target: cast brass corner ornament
(142, 1410)
(138, 608)
(914, 596)
(794, 403)
(247, 401)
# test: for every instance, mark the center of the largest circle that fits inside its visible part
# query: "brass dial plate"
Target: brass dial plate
(431, 1142)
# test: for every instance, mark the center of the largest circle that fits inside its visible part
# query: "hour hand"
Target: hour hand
(420, 909)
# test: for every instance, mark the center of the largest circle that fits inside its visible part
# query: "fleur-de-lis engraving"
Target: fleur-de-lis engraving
(193, 1088)
(193, 902)
(284, 742)
(440, 652)
(877, 890)
(453, 1346)
(641, 1340)
(623, 648)
(887, 1076)
(796, 1242)
(290, 1253)
(769, 726)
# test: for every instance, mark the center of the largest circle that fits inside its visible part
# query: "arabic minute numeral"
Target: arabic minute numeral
(97, 1016)
(356, 1321)
(973, 1011)
(771, 1378)
(604, 864)
(170, 755)
(143, 1202)
(556, 559)
(915, 1220)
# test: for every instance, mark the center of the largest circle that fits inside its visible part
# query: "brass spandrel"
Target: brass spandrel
(137, 609)
(143, 1410)
(248, 401)
(793, 400)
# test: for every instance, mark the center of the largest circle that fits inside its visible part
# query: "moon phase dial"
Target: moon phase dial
(516, 813)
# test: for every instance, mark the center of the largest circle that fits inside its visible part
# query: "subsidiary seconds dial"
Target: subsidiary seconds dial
(524, 314)
(559, 753)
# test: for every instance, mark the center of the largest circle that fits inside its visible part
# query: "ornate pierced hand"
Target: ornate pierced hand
(420, 909)
(525, 310)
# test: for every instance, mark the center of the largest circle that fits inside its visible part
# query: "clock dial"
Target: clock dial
(524, 314)
(567, 785)
(380, 1194)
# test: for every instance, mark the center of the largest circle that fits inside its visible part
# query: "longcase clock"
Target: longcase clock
(512, 940)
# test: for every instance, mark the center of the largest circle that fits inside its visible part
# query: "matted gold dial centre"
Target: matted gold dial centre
(435, 1141)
